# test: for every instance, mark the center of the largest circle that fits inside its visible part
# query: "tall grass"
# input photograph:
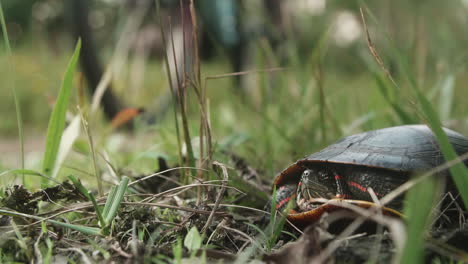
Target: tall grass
(300, 99)
(419, 204)
(57, 118)
(420, 200)
(19, 119)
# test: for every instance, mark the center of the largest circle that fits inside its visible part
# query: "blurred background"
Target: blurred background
(310, 77)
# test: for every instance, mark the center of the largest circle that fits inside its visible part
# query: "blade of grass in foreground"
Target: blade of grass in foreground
(421, 198)
(116, 201)
(83, 229)
(88, 194)
(28, 172)
(57, 118)
(418, 206)
(385, 89)
(459, 172)
(19, 118)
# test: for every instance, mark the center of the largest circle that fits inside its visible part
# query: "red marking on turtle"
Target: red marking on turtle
(360, 187)
(282, 202)
(357, 185)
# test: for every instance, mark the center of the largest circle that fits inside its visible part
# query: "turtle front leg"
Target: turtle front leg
(284, 194)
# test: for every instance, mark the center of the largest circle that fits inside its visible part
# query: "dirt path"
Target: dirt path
(10, 149)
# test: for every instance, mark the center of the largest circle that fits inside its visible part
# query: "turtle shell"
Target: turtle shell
(403, 149)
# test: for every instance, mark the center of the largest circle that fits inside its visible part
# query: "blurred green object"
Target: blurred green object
(220, 18)
(18, 12)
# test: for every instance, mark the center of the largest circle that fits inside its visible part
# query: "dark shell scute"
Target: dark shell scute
(403, 148)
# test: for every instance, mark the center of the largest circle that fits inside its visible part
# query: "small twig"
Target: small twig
(171, 84)
(84, 257)
(242, 248)
(162, 172)
(217, 254)
(448, 250)
(187, 209)
(242, 207)
(374, 52)
(260, 211)
(232, 74)
(134, 239)
(220, 194)
(185, 187)
(220, 225)
(111, 167)
(352, 237)
(37, 250)
(393, 225)
(182, 104)
(193, 16)
(93, 151)
(167, 223)
(86, 205)
(438, 205)
(252, 241)
(119, 251)
(50, 200)
(180, 226)
(377, 246)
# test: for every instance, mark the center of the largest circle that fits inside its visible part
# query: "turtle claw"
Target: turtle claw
(305, 205)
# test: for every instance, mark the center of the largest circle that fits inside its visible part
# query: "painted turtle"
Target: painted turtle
(381, 159)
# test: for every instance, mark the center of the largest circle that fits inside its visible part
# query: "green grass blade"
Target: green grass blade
(459, 171)
(258, 229)
(418, 205)
(94, 231)
(4, 30)
(110, 198)
(117, 199)
(79, 186)
(446, 99)
(97, 175)
(83, 229)
(57, 118)
(276, 224)
(19, 118)
(273, 208)
(385, 89)
(88, 194)
(28, 172)
(177, 251)
(102, 221)
(278, 227)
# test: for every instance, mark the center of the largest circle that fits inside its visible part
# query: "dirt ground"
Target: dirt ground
(10, 148)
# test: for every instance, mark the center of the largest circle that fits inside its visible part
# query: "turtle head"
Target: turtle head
(314, 184)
